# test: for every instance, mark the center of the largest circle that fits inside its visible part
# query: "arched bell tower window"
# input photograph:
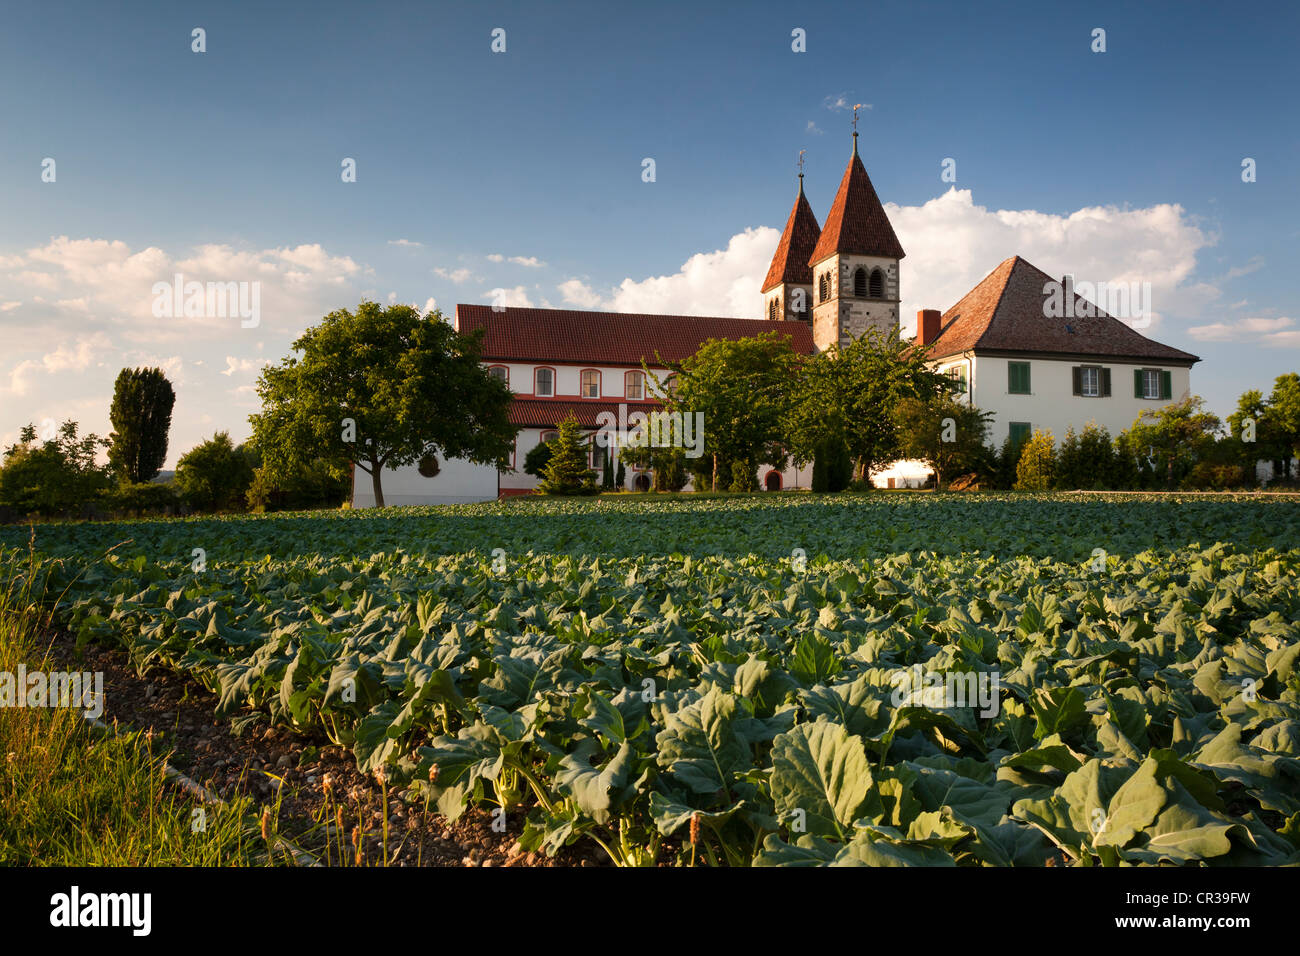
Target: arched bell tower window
(877, 290)
(771, 310)
(860, 282)
(823, 288)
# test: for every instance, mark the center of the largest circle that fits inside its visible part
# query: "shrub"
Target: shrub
(1036, 469)
(567, 472)
(214, 475)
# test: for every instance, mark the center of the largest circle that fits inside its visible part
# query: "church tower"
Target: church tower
(854, 265)
(788, 288)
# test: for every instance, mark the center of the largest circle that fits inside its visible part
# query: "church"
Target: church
(827, 285)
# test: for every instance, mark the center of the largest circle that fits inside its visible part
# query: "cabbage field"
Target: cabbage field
(761, 680)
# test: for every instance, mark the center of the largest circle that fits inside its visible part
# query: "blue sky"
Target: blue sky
(226, 165)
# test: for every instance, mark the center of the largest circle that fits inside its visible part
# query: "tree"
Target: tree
(742, 388)
(141, 415)
(567, 472)
(945, 433)
(55, 474)
(607, 473)
(536, 459)
(1174, 438)
(852, 395)
(1282, 419)
(1036, 469)
(620, 476)
(380, 388)
(832, 466)
(214, 475)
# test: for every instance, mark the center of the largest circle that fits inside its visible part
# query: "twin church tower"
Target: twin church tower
(844, 275)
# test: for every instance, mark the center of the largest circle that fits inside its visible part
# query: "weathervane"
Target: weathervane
(856, 107)
(800, 163)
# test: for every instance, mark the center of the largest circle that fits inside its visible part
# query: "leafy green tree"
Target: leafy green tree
(743, 477)
(214, 475)
(53, 475)
(536, 459)
(943, 432)
(742, 387)
(567, 472)
(1174, 438)
(852, 395)
(1282, 420)
(141, 415)
(620, 476)
(379, 388)
(1036, 469)
(607, 473)
(832, 466)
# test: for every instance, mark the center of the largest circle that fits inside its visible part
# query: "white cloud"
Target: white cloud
(243, 366)
(813, 128)
(516, 297)
(9, 306)
(496, 257)
(576, 292)
(430, 304)
(69, 356)
(409, 243)
(951, 245)
(458, 275)
(532, 262)
(1275, 331)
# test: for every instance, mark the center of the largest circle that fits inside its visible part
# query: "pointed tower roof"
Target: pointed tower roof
(791, 262)
(1006, 313)
(857, 224)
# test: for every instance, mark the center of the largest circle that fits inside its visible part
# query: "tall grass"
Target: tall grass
(70, 796)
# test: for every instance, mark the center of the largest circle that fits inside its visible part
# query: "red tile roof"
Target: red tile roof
(790, 264)
(1005, 313)
(609, 338)
(548, 413)
(857, 224)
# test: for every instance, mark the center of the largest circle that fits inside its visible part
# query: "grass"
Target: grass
(71, 796)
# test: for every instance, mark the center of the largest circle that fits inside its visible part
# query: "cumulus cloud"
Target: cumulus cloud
(455, 275)
(430, 304)
(515, 298)
(69, 356)
(1266, 331)
(242, 366)
(408, 243)
(951, 245)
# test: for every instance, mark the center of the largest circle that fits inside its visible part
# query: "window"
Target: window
(500, 372)
(1152, 383)
(1091, 381)
(877, 290)
(634, 385)
(823, 288)
(590, 383)
(771, 310)
(860, 283)
(799, 305)
(544, 381)
(1019, 432)
(598, 453)
(1018, 378)
(549, 436)
(958, 374)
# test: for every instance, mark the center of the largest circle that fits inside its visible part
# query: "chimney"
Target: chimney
(927, 326)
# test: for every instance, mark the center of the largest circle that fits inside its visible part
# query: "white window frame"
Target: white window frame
(637, 377)
(1151, 384)
(537, 381)
(582, 382)
(1085, 372)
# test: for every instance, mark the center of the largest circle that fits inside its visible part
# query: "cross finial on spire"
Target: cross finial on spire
(800, 165)
(856, 107)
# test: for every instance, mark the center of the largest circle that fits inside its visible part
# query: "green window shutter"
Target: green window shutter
(1166, 384)
(1105, 383)
(1019, 432)
(1076, 374)
(1137, 383)
(1018, 378)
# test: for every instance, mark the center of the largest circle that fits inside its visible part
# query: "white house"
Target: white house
(1035, 369)
(825, 287)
